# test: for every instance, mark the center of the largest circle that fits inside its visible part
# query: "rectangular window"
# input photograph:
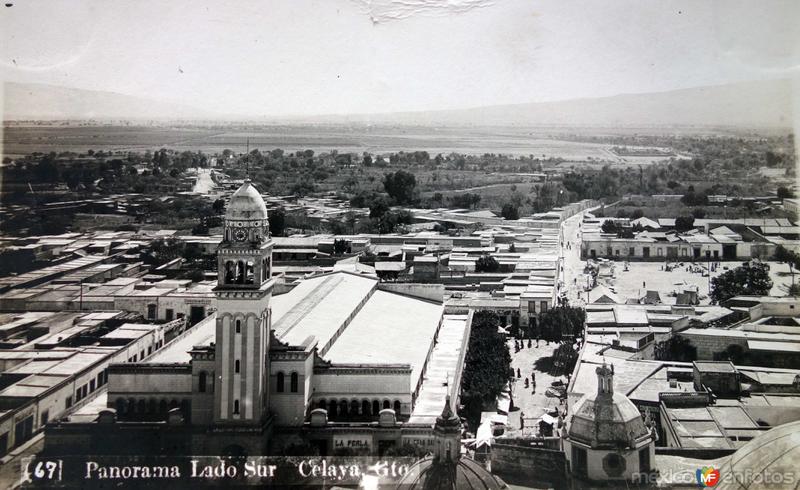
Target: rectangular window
(44, 418)
(69, 402)
(543, 306)
(644, 460)
(170, 314)
(91, 386)
(579, 461)
(23, 430)
(616, 252)
(659, 251)
(631, 251)
(3, 443)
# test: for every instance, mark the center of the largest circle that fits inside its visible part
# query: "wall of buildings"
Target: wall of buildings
(524, 464)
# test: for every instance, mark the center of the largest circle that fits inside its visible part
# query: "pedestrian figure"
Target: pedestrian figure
(522, 420)
(518, 373)
(527, 385)
(529, 343)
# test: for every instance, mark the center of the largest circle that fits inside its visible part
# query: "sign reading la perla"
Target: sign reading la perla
(353, 441)
(419, 441)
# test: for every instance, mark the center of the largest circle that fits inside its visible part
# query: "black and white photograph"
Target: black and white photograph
(399, 244)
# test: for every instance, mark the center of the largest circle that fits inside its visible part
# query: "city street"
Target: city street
(572, 266)
(530, 404)
(533, 404)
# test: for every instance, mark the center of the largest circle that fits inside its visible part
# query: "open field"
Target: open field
(24, 139)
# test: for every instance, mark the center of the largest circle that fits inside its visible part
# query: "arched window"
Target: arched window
(293, 383)
(354, 407)
(397, 407)
(240, 272)
(321, 404)
(152, 406)
(142, 406)
(236, 407)
(230, 273)
(121, 406)
(343, 408)
(279, 386)
(162, 407)
(365, 407)
(236, 366)
(249, 272)
(202, 379)
(376, 407)
(238, 326)
(387, 404)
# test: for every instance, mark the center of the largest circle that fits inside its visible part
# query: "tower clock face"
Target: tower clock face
(240, 235)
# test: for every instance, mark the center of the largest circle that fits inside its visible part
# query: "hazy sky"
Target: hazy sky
(353, 56)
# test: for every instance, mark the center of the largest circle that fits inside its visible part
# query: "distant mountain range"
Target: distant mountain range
(751, 104)
(39, 101)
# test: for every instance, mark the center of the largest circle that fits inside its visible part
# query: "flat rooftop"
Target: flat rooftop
(319, 307)
(389, 329)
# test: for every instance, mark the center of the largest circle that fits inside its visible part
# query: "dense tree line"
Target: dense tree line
(487, 369)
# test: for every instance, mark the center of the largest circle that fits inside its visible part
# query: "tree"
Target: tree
(749, 279)
(782, 254)
(510, 211)
(466, 200)
(340, 247)
(675, 348)
(378, 206)
(684, 223)
(564, 358)
(610, 226)
(562, 322)
(785, 193)
(277, 221)
(637, 213)
(400, 186)
(218, 206)
(487, 366)
(692, 198)
(163, 250)
(487, 263)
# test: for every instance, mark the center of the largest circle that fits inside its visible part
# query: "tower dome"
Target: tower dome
(246, 204)
(606, 418)
(605, 437)
(763, 461)
(445, 468)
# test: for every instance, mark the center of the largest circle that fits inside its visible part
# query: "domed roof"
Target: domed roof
(465, 473)
(762, 462)
(606, 418)
(246, 204)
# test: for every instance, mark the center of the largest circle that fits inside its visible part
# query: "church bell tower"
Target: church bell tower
(244, 289)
